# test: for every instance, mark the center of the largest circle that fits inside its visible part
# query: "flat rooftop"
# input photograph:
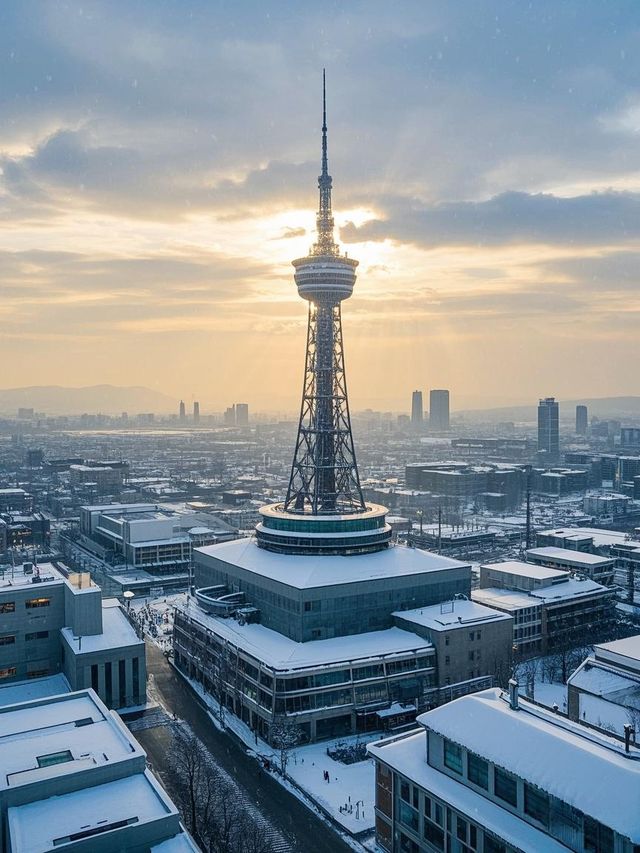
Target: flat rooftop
(601, 538)
(117, 631)
(573, 588)
(282, 653)
(506, 599)
(33, 688)
(589, 771)
(311, 571)
(574, 558)
(77, 723)
(16, 577)
(46, 824)
(461, 615)
(625, 652)
(526, 570)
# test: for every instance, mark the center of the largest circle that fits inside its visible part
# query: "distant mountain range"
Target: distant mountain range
(601, 407)
(106, 399)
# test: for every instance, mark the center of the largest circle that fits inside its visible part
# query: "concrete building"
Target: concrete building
(551, 609)
(473, 643)
(23, 529)
(549, 429)
(53, 620)
(630, 437)
(469, 482)
(606, 504)
(75, 778)
(498, 774)
(15, 500)
(196, 412)
(439, 409)
(242, 414)
(605, 689)
(582, 420)
(182, 412)
(416, 410)
(103, 479)
(593, 566)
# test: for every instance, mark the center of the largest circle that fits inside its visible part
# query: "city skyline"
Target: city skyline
(155, 186)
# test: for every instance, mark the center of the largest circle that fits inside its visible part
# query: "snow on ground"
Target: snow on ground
(605, 715)
(349, 784)
(156, 616)
(551, 694)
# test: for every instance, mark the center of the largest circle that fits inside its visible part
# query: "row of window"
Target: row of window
(30, 604)
(10, 672)
(9, 639)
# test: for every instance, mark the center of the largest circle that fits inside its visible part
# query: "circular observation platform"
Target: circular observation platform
(325, 278)
(304, 533)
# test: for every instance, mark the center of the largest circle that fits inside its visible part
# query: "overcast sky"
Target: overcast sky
(158, 168)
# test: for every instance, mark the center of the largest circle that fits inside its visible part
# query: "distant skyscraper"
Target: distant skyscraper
(242, 414)
(581, 420)
(196, 412)
(416, 409)
(230, 416)
(183, 411)
(439, 409)
(548, 428)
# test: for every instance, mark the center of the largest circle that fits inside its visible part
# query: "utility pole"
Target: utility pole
(528, 533)
(439, 528)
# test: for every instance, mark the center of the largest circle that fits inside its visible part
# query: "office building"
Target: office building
(242, 414)
(183, 412)
(495, 773)
(53, 620)
(229, 417)
(74, 778)
(582, 421)
(15, 500)
(549, 429)
(439, 410)
(196, 412)
(416, 410)
(99, 479)
(593, 566)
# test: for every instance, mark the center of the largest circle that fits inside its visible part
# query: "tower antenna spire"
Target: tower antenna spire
(325, 244)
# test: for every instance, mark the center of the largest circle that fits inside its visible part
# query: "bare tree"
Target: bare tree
(284, 734)
(208, 800)
(527, 671)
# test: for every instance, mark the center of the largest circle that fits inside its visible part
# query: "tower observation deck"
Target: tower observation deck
(324, 510)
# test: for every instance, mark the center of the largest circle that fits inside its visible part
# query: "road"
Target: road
(305, 832)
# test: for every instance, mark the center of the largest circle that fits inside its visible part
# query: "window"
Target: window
(452, 756)
(409, 816)
(31, 603)
(447, 660)
(472, 656)
(597, 837)
(492, 845)
(7, 672)
(446, 640)
(461, 829)
(405, 792)
(38, 673)
(7, 607)
(108, 684)
(37, 635)
(54, 758)
(478, 771)
(8, 640)
(433, 834)
(536, 804)
(505, 786)
(407, 845)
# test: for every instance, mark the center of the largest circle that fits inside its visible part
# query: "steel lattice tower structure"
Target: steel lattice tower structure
(324, 483)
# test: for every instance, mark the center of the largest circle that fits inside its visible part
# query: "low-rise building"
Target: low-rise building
(15, 500)
(104, 479)
(74, 778)
(593, 566)
(517, 575)
(497, 774)
(605, 689)
(53, 620)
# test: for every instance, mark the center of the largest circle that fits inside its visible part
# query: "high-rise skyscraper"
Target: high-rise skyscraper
(324, 482)
(549, 429)
(581, 420)
(183, 411)
(242, 414)
(416, 409)
(439, 409)
(196, 412)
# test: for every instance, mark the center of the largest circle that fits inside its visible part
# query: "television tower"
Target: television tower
(324, 483)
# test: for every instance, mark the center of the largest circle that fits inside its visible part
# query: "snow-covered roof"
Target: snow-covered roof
(457, 614)
(504, 599)
(588, 771)
(625, 652)
(407, 755)
(526, 570)
(601, 679)
(573, 558)
(311, 571)
(36, 826)
(33, 688)
(282, 653)
(180, 843)
(116, 631)
(572, 588)
(45, 726)
(600, 537)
